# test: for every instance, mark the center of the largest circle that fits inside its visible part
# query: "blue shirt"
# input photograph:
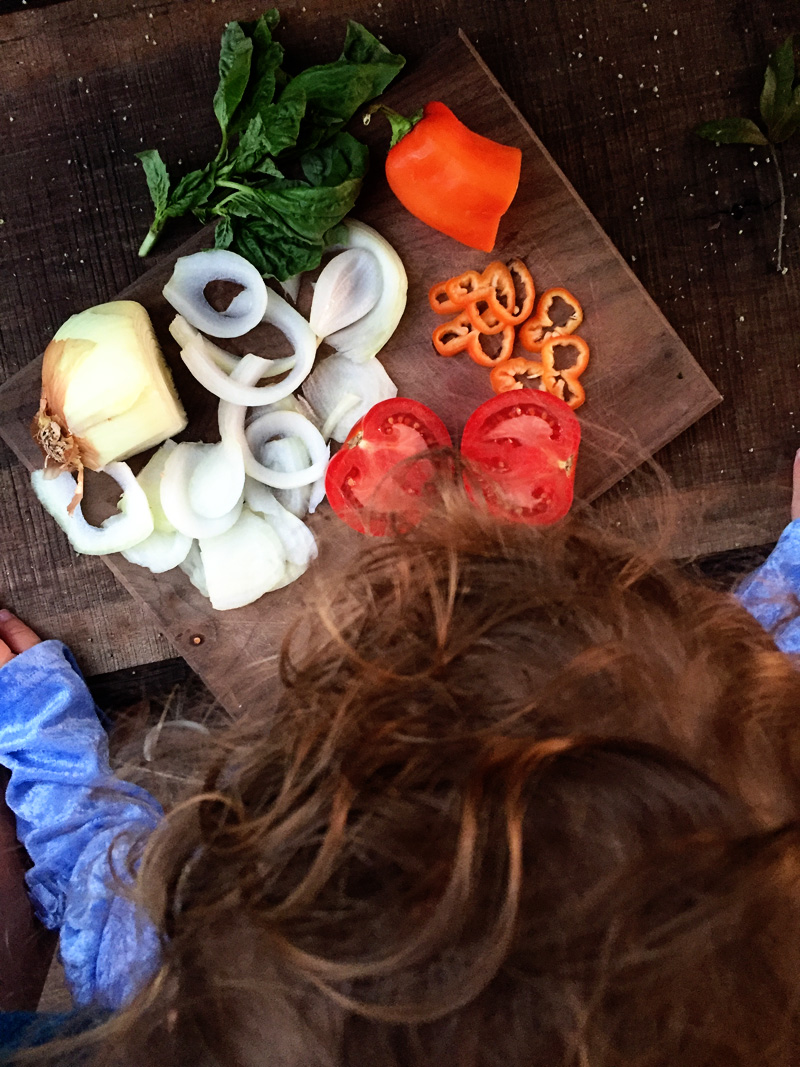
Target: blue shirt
(78, 821)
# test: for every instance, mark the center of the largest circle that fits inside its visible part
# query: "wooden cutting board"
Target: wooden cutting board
(643, 385)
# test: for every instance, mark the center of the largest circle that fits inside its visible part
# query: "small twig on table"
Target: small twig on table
(782, 225)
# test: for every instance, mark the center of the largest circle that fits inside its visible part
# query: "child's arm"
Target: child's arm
(70, 810)
(772, 593)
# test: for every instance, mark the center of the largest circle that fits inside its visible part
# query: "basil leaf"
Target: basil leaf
(155, 172)
(264, 66)
(334, 162)
(335, 91)
(731, 131)
(234, 71)
(223, 234)
(282, 123)
(192, 191)
(266, 135)
(776, 95)
(360, 46)
(308, 211)
(275, 250)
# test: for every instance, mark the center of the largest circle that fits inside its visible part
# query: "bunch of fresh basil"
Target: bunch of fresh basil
(286, 172)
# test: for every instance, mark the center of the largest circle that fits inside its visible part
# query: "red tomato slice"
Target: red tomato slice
(522, 447)
(366, 487)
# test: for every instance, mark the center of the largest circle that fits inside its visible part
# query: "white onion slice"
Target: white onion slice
(293, 402)
(285, 423)
(365, 338)
(243, 390)
(192, 567)
(298, 541)
(149, 478)
(187, 336)
(292, 286)
(316, 496)
(180, 467)
(160, 551)
(243, 563)
(335, 378)
(203, 360)
(288, 454)
(348, 286)
(190, 276)
(132, 524)
(271, 424)
(217, 481)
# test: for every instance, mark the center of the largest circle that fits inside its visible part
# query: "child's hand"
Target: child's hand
(15, 637)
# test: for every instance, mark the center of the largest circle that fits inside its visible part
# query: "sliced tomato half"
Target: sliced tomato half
(369, 485)
(521, 449)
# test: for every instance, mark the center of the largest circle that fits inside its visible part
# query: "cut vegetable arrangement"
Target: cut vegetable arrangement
(286, 172)
(216, 510)
(498, 304)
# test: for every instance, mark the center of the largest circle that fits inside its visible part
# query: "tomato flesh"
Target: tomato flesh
(522, 452)
(371, 483)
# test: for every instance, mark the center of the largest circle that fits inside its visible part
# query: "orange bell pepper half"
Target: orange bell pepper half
(539, 327)
(450, 177)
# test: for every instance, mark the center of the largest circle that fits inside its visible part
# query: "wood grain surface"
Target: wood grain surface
(612, 88)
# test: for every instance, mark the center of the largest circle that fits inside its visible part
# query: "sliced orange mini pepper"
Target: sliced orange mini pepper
(563, 381)
(481, 356)
(537, 329)
(453, 336)
(440, 302)
(507, 375)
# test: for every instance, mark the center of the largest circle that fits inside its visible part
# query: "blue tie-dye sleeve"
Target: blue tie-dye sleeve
(77, 822)
(772, 592)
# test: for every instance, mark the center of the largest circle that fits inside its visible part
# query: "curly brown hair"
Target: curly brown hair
(530, 797)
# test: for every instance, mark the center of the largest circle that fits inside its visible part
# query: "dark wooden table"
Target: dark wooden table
(613, 87)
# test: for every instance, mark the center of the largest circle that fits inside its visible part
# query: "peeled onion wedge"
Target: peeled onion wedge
(363, 339)
(130, 526)
(106, 391)
(243, 563)
(160, 551)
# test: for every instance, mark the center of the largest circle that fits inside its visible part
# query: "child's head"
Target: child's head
(529, 799)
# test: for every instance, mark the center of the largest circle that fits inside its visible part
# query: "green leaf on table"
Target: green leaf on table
(790, 122)
(335, 91)
(155, 172)
(235, 56)
(306, 210)
(252, 151)
(334, 162)
(191, 192)
(776, 96)
(273, 248)
(265, 66)
(360, 46)
(223, 233)
(282, 123)
(731, 131)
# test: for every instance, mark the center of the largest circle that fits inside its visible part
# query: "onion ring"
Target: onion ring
(185, 290)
